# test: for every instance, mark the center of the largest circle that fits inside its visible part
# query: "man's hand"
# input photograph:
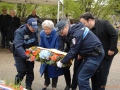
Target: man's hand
(110, 53)
(59, 64)
(28, 59)
(31, 59)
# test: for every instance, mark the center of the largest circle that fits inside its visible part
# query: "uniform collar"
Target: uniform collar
(27, 29)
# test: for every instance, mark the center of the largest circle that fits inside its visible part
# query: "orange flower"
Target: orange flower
(34, 53)
(32, 58)
(38, 50)
(54, 57)
(27, 52)
(21, 88)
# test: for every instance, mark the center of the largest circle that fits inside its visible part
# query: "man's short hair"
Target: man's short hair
(87, 16)
(4, 9)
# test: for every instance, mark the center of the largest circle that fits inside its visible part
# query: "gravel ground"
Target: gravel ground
(8, 72)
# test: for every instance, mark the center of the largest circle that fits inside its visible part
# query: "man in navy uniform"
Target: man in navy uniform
(25, 37)
(64, 45)
(84, 44)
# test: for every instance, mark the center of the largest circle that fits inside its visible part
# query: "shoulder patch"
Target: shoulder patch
(82, 28)
(26, 36)
(74, 41)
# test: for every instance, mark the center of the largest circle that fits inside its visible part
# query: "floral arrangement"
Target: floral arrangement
(10, 86)
(47, 56)
(33, 53)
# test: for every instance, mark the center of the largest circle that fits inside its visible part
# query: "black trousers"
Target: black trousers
(47, 79)
(67, 76)
(99, 79)
(24, 68)
(4, 41)
(77, 63)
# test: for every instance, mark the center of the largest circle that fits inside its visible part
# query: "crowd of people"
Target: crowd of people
(91, 43)
(8, 25)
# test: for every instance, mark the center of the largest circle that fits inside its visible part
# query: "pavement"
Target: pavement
(8, 72)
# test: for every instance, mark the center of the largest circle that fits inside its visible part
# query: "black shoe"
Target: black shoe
(17, 81)
(28, 88)
(44, 88)
(67, 88)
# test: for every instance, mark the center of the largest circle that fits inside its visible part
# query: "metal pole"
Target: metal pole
(58, 11)
(62, 10)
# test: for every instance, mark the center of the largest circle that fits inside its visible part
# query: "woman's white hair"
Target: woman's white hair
(48, 23)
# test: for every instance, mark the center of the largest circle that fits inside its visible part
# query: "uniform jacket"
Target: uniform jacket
(107, 35)
(50, 41)
(83, 41)
(24, 39)
(13, 25)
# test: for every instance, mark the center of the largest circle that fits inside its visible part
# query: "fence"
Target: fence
(54, 20)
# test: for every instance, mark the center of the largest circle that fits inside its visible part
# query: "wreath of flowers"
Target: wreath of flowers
(46, 56)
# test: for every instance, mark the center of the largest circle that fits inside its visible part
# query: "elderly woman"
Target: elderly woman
(49, 39)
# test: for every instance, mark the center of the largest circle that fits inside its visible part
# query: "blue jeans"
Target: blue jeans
(87, 70)
(4, 41)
